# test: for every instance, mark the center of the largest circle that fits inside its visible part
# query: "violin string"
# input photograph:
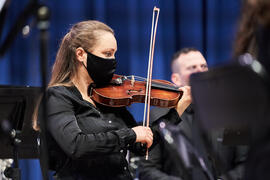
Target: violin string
(154, 83)
(136, 77)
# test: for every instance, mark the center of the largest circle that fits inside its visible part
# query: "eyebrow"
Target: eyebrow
(109, 49)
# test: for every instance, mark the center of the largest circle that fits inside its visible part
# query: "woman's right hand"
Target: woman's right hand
(143, 135)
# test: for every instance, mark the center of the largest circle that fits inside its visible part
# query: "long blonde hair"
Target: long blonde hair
(83, 34)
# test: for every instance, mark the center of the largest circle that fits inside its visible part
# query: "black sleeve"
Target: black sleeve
(138, 149)
(62, 125)
(151, 169)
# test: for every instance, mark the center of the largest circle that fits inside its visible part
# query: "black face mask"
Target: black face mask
(101, 70)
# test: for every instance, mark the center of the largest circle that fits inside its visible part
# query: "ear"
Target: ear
(175, 77)
(81, 55)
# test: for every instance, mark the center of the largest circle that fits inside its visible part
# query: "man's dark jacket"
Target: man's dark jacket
(163, 163)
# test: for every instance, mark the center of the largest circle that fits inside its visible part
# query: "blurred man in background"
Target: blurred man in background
(162, 164)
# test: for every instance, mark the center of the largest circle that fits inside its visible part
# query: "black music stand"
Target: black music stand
(234, 99)
(231, 97)
(17, 137)
(41, 15)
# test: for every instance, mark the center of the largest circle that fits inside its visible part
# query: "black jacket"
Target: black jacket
(163, 163)
(87, 142)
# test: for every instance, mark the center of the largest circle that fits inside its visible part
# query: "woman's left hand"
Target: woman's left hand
(184, 101)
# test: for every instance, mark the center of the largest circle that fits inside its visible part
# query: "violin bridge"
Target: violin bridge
(132, 80)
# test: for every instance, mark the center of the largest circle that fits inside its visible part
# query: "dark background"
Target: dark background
(208, 25)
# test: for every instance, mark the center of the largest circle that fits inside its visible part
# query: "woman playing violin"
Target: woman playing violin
(87, 140)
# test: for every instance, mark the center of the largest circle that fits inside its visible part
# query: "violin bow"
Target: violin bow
(150, 68)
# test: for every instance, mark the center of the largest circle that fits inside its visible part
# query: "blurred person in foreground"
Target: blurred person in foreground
(253, 37)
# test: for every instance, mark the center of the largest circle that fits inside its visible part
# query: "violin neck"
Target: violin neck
(165, 86)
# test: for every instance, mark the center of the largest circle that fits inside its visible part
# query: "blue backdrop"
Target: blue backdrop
(208, 25)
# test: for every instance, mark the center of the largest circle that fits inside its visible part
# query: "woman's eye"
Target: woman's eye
(108, 54)
(192, 67)
(204, 66)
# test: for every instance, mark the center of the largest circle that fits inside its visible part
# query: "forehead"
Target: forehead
(106, 40)
(191, 58)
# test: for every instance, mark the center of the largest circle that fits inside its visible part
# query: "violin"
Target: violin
(125, 90)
